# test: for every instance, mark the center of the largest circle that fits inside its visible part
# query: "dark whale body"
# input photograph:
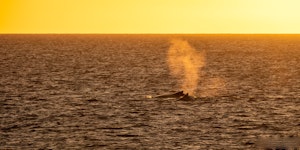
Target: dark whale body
(179, 96)
(175, 95)
(186, 97)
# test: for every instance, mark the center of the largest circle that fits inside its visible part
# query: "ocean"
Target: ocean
(100, 91)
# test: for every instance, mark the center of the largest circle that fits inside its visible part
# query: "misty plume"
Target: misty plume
(185, 64)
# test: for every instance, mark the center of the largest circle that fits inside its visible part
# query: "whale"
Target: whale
(179, 96)
(174, 95)
(186, 97)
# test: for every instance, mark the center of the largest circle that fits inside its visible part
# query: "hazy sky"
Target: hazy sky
(149, 16)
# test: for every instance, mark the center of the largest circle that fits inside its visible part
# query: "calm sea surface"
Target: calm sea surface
(94, 92)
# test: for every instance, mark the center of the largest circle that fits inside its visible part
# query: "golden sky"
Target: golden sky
(149, 16)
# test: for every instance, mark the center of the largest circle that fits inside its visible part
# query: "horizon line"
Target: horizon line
(153, 33)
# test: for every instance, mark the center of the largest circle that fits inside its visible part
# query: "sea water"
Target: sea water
(98, 92)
